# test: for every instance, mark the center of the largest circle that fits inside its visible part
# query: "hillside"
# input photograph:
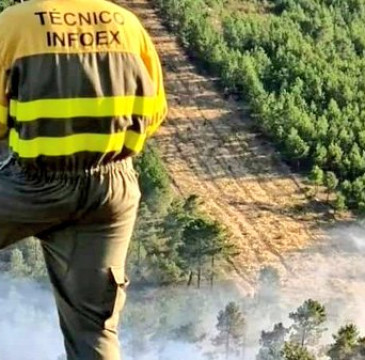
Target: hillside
(211, 150)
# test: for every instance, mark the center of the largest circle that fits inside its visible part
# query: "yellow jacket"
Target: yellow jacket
(80, 83)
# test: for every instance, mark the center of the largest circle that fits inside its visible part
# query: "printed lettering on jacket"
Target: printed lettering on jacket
(76, 36)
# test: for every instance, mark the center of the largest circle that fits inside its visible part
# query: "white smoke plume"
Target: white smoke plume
(155, 325)
(28, 322)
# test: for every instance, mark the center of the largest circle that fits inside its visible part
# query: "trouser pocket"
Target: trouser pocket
(96, 296)
(117, 299)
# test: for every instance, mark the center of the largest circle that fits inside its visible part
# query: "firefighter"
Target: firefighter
(81, 90)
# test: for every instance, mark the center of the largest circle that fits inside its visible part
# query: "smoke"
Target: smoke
(153, 322)
(179, 323)
(331, 271)
(28, 322)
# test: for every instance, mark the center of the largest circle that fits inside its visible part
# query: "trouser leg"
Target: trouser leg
(85, 260)
(86, 264)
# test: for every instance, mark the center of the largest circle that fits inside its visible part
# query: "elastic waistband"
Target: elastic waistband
(125, 164)
(39, 172)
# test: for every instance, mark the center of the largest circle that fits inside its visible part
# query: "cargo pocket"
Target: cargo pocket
(119, 284)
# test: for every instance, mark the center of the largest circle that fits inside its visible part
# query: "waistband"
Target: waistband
(125, 164)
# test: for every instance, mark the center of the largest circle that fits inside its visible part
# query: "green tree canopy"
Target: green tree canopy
(231, 329)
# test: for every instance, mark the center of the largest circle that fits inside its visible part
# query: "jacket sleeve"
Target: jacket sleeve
(4, 104)
(153, 65)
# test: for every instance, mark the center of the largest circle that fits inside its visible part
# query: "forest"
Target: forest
(299, 65)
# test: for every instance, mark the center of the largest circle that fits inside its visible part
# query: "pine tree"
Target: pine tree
(340, 202)
(294, 351)
(346, 342)
(331, 182)
(231, 328)
(201, 238)
(296, 147)
(317, 177)
(335, 154)
(357, 160)
(320, 155)
(308, 323)
(272, 343)
(154, 180)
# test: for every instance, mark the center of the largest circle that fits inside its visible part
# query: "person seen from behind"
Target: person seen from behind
(81, 91)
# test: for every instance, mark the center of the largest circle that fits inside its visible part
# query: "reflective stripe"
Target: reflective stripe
(135, 141)
(79, 107)
(3, 115)
(81, 125)
(158, 116)
(69, 145)
(161, 103)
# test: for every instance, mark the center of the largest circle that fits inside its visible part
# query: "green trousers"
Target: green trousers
(85, 222)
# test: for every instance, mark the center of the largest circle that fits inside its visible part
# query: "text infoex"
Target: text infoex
(87, 38)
